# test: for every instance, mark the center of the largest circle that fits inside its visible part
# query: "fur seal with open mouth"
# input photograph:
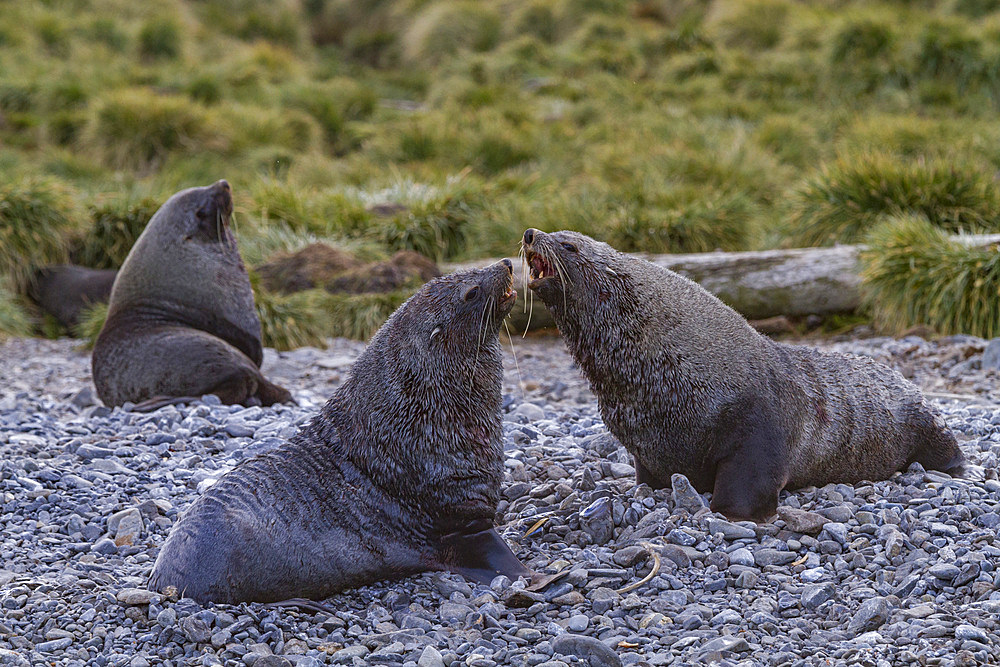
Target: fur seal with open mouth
(687, 386)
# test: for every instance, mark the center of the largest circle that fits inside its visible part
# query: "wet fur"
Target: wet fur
(399, 473)
(181, 318)
(689, 387)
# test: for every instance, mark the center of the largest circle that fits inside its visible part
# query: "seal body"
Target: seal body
(689, 387)
(65, 290)
(399, 473)
(181, 318)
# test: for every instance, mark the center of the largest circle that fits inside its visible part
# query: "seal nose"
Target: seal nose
(529, 235)
(223, 185)
(508, 264)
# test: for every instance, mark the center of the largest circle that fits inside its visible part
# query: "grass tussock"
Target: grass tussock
(845, 201)
(14, 320)
(91, 321)
(915, 274)
(115, 227)
(36, 221)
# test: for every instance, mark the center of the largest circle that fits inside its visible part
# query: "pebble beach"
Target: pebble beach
(901, 571)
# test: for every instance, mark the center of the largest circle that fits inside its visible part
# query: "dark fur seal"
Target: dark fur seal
(399, 473)
(65, 290)
(689, 387)
(181, 319)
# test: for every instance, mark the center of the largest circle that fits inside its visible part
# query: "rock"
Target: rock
(729, 530)
(727, 643)
(742, 557)
(872, 614)
(991, 355)
(126, 526)
(684, 495)
(765, 557)
(520, 599)
(816, 594)
(196, 630)
(166, 618)
(137, 596)
(347, 655)
(430, 657)
(603, 599)
(629, 556)
(104, 546)
(272, 661)
(530, 412)
(577, 623)
(945, 571)
(451, 612)
(594, 651)
(596, 520)
(800, 521)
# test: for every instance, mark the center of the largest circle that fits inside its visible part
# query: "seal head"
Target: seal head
(399, 473)
(688, 387)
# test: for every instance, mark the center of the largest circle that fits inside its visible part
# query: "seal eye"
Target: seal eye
(472, 294)
(569, 246)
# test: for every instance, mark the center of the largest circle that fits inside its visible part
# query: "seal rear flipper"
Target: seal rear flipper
(480, 556)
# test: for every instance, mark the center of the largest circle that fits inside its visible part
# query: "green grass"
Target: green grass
(115, 227)
(914, 274)
(844, 202)
(36, 221)
(14, 319)
(449, 127)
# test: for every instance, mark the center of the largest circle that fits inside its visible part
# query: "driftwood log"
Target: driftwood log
(758, 284)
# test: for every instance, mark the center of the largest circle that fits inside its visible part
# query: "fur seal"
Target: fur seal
(65, 290)
(689, 387)
(399, 473)
(181, 319)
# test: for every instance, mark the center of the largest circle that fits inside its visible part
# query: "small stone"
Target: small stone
(54, 645)
(872, 614)
(347, 655)
(603, 599)
(166, 618)
(800, 521)
(816, 594)
(196, 630)
(431, 657)
(991, 355)
(730, 530)
(629, 556)
(728, 643)
(530, 412)
(966, 631)
(272, 661)
(945, 571)
(742, 557)
(137, 596)
(765, 557)
(684, 495)
(452, 612)
(577, 623)
(587, 648)
(104, 546)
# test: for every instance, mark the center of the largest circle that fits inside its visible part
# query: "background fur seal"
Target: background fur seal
(65, 290)
(689, 387)
(181, 319)
(399, 473)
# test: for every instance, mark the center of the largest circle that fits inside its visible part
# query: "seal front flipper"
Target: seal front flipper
(480, 555)
(753, 465)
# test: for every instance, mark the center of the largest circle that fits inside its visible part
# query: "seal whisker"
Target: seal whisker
(517, 368)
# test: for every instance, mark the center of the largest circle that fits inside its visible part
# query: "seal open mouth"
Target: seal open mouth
(539, 269)
(509, 294)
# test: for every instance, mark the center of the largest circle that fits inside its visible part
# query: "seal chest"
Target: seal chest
(689, 387)
(181, 318)
(399, 473)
